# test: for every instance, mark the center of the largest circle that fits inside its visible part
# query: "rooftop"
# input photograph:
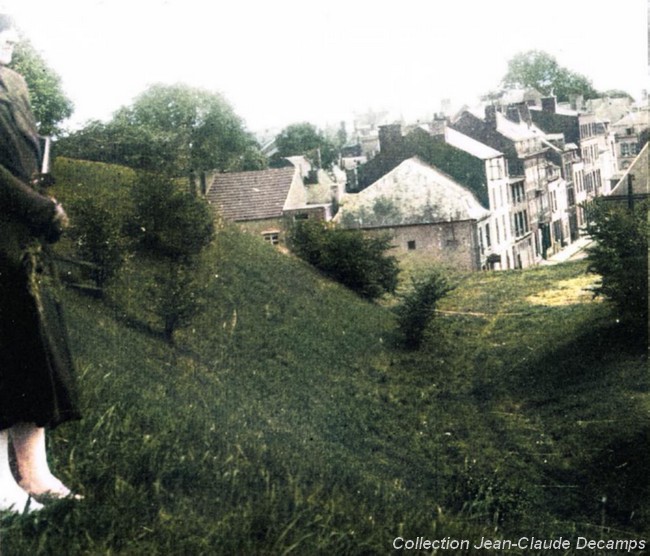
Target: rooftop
(639, 170)
(418, 193)
(469, 145)
(240, 196)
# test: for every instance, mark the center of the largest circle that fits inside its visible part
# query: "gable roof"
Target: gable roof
(609, 109)
(513, 131)
(256, 195)
(420, 193)
(517, 131)
(634, 119)
(639, 169)
(469, 145)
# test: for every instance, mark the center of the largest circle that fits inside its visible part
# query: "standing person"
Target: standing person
(37, 384)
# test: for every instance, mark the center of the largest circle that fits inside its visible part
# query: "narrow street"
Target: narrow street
(573, 252)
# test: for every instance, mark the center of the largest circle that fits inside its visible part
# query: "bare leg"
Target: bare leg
(35, 475)
(12, 497)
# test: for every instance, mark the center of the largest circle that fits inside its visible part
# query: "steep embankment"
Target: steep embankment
(286, 420)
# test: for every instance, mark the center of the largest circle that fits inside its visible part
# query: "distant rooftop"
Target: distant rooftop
(469, 145)
(639, 170)
(420, 193)
(240, 196)
(517, 131)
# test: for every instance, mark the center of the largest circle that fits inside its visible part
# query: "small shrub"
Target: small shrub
(417, 308)
(97, 233)
(347, 256)
(620, 256)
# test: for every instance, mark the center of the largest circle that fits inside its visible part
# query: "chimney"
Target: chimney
(390, 137)
(512, 113)
(549, 104)
(577, 102)
(524, 113)
(439, 125)
(491, 116)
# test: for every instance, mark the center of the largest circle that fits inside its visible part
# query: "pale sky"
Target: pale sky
(285, 61)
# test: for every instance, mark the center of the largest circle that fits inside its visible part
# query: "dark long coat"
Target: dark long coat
(37, 380)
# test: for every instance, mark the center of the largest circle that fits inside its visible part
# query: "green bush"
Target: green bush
(620, 256)
(357, 261)
(98, 236)
(97, 199)
(168, 221)
(417, 307)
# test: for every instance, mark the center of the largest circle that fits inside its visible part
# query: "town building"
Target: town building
(425, 212)
(265, 202)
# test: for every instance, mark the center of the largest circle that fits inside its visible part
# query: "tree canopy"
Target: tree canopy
(539, 70)
(175, 128)
(50, 104)
(306, 139)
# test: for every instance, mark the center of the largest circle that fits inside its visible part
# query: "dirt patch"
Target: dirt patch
(568, 292)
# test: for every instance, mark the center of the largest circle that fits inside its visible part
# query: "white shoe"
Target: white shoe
(18, 501)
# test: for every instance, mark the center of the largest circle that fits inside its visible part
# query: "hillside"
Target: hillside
(286, 421)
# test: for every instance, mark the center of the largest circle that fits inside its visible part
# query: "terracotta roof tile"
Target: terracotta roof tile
(253, 195)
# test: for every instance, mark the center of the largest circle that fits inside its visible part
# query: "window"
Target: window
(487, 235)
(411, 245)
(518, 192)
(271, 237)
(571, 196)
(495, 169)
(521, 223)
(629, 149)
(557, 231)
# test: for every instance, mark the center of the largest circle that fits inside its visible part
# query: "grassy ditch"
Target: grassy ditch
(286, 420)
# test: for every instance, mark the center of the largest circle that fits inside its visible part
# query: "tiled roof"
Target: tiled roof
(254, 195)
(517, 131)
(469, 145)
(634, 119)
(419, 192)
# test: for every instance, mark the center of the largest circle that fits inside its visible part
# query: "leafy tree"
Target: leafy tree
(305, 139)
(541, 71)
(418, 306)
(620, 256)
(348, 256)
(172, 228)
(168, 221)
(115, 142)
(172, 128)
(617, 93)
(49, 103)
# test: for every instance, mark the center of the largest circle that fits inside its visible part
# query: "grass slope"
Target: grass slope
(287, 422)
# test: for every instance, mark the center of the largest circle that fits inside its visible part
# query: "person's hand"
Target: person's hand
(60, 219)
(58, 223)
